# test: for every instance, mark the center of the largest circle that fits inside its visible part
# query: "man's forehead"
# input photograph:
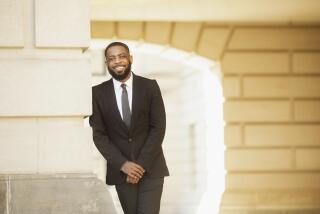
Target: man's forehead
(117, 49)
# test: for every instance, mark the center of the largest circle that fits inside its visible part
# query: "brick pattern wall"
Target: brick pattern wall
(272, 109)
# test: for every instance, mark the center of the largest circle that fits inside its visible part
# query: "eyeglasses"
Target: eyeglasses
(121, 57)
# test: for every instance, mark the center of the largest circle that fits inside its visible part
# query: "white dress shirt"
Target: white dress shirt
(118, 91)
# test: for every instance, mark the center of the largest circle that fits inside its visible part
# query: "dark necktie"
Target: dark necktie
(126, 114)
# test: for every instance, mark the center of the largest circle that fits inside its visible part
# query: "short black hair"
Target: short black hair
(116, 44)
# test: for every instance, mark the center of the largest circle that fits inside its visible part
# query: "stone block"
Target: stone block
(130, 30)
(3, 196)
(232, 135)
(308, 159)
(62, 23)
(255, 111)
(279, 210)
(270, 201)
(179, 38)
(301, 87)
(31, 87)
(212, 42)
(19, 145)
(158, 32)
(273, 180)
(32, 145)
(12, 23)
(63, 195)
(282, 135)
(272, 38)
(255, 63)
(65, 149)
(258, 159)
(231, 86)
(98, 62)
(306, 63)
(307, 110)
(102, 29)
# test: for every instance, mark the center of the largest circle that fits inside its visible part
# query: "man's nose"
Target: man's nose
(117, 59)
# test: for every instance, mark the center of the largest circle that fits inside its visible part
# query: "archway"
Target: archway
(193, 145)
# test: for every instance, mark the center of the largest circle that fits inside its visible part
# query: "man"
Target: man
(128, 123)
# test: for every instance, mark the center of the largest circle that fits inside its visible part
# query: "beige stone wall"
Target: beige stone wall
(272, 89)
(45, 87)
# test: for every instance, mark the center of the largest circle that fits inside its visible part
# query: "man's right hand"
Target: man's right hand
(132, 180)
(132, 169)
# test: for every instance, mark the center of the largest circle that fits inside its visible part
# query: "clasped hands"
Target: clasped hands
(133, 171)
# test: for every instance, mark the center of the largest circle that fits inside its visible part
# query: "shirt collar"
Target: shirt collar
(117, 84)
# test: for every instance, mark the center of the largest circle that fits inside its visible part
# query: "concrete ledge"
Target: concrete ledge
(62, 193)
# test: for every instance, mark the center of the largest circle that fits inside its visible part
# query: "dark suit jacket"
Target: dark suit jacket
(141, 143)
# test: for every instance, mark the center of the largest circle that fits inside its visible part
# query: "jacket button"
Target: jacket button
(130, 140)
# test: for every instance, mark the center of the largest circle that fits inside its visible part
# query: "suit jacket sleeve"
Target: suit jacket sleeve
(100, 137)
(157, 127)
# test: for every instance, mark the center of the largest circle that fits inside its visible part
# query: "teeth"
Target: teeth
(119, 68)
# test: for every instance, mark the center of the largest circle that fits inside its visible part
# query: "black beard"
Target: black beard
(120, 77)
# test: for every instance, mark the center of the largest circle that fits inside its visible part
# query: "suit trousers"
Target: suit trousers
(141, 198)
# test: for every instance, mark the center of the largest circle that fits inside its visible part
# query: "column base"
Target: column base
(57, 193)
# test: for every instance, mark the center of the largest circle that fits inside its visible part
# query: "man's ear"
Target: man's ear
(130, 58)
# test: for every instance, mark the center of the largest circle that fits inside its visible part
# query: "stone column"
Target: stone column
(45, 91)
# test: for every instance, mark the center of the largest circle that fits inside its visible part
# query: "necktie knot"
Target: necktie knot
(123, 86)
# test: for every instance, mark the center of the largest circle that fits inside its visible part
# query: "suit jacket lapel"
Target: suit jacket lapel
(135, 102)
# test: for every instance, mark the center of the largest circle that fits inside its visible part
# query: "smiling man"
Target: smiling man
(128, 123)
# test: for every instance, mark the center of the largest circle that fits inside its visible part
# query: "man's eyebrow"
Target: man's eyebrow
(118, 55)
